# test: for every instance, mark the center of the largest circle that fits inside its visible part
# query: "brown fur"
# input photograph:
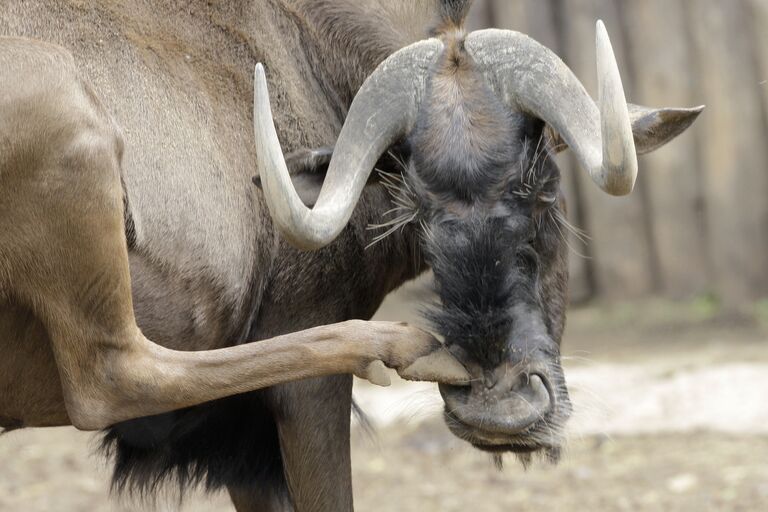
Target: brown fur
(205, 269)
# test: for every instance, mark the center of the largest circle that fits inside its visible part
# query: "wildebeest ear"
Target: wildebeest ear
(654, 127)
(307, 168)
(651, 127)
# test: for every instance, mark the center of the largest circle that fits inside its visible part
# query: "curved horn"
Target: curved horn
(531, 78)
(383, 110)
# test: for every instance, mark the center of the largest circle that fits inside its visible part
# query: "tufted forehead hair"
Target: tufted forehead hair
(466, 144)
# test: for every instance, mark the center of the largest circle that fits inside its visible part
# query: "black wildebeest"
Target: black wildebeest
(160, 186)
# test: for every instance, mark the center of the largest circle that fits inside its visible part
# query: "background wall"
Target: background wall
(697, 223)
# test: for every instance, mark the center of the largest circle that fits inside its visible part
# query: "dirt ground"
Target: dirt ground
(671, 415)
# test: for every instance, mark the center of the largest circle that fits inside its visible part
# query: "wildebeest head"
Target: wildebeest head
(481, 115)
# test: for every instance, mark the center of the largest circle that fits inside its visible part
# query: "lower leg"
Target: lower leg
(313, 423)
(129, 379)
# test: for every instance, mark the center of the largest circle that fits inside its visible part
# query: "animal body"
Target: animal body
(128, 215)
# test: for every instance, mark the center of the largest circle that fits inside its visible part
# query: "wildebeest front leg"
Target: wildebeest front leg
(313, 425)
(313, 422)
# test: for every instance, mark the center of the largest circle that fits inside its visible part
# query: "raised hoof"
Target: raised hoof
(376, 373)
(438, 366)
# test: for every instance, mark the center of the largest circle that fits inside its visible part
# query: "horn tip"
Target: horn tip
(600, 27)
(602, 40)
(259, 81)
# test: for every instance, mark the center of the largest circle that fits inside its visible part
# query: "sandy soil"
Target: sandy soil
(671, 415)
(426, 469)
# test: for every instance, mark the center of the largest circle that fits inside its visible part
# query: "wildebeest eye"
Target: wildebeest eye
(546, 198)
(528, 260)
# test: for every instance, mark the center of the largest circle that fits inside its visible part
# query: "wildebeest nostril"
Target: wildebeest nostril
(532, 389)
(540, 390)
(507, 404)
(508, 383)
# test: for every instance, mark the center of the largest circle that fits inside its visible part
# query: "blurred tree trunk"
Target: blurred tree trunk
(664, 76)
(734, 158)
